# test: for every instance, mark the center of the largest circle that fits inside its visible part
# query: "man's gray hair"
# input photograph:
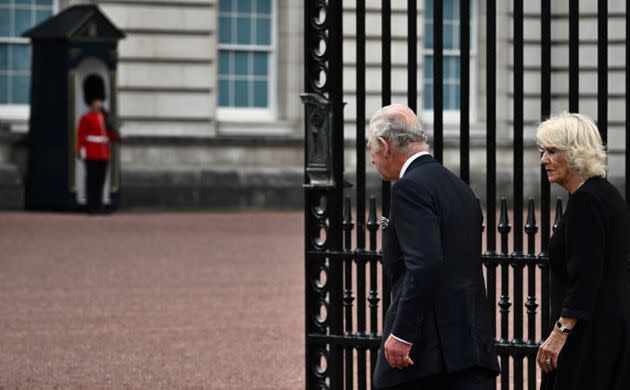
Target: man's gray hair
(397, 124)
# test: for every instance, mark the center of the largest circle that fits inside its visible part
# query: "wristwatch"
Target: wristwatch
(562, 328)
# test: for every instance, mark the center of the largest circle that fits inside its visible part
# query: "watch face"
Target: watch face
(562, 328)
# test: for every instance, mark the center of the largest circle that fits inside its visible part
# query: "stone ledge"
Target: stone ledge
(216, 188)
(11, 188)
(233, 188)
(222, 140)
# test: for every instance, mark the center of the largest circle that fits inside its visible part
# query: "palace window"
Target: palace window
(17, 16)
(245, 61)
(452, 54)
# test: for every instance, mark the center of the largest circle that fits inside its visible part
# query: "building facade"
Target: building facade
(208, 91)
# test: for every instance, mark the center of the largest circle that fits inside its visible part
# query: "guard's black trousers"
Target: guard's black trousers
(95, 180)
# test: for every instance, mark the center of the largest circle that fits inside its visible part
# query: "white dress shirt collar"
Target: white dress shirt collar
(409, 161)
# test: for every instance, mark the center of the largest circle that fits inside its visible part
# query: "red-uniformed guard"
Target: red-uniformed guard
(93, 139)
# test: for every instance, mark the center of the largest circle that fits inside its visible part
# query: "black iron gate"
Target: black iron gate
(346, 297)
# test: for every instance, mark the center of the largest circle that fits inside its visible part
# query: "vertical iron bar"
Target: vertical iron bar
(308, 296)
(361, 263)
(312, 198)
(545, 112)
(438, 86)
(386, 39)
(504, 303)
(574, 52)
(602, 69)
(545, 193)
(361, 323)
(373, 297)
(334, 19)
(491, 159)
(361, 329)
(518, 127)
(386, 74)
(412, 54)
(464, 148)
(348, 296)
(517, 313)
(360, 120)
(517, 253)
(348, 225)
(491, 289)
(627, 106)
(491, 114)
(531, 229)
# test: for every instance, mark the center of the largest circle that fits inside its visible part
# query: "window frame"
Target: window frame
(20, 112)
(454, 116)
(250, 114)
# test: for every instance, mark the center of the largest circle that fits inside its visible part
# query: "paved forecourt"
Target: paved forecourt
(151, 301)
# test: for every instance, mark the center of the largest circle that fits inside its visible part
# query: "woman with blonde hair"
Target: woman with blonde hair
(589, 345)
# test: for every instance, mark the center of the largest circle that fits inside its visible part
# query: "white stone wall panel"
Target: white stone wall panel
(165, 75)
(150, 17)
(164, 105)
(173, 47)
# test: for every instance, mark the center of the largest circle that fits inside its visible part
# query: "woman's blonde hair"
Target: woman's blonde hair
(577, 136)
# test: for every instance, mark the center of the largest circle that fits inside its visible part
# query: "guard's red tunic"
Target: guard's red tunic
(94, 136)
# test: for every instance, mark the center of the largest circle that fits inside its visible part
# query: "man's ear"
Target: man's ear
(384, 145)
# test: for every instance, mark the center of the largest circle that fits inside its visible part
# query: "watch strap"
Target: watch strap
(562, 328)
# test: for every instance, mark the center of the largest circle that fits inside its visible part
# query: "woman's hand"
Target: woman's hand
(549, 351)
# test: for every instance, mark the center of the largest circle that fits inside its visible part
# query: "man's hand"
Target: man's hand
(397, 353)
(82, 153)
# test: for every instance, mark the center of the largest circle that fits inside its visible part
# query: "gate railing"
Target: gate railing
(346, 296)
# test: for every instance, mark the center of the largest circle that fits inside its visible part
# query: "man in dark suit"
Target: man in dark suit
(437, 332)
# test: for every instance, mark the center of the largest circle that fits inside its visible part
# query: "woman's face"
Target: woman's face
(555, 164)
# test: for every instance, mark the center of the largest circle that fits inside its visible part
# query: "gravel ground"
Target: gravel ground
(151, 301)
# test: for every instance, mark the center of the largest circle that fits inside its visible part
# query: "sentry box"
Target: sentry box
(73, 52)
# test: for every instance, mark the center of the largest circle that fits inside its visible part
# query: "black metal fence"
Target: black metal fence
(346, 296)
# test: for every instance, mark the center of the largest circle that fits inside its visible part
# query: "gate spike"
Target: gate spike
(504, 221)
(530, 225)
(558, 218)
(504, 226)
(347, 214)
(531, 228)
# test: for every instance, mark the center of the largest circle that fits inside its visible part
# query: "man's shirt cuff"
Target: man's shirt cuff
(401, 340)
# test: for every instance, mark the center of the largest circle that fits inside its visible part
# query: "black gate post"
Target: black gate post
(323, 195)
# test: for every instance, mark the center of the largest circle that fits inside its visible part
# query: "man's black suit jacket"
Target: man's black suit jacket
(432, 256)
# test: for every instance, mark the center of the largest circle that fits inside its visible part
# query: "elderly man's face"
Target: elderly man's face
(381, 159)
